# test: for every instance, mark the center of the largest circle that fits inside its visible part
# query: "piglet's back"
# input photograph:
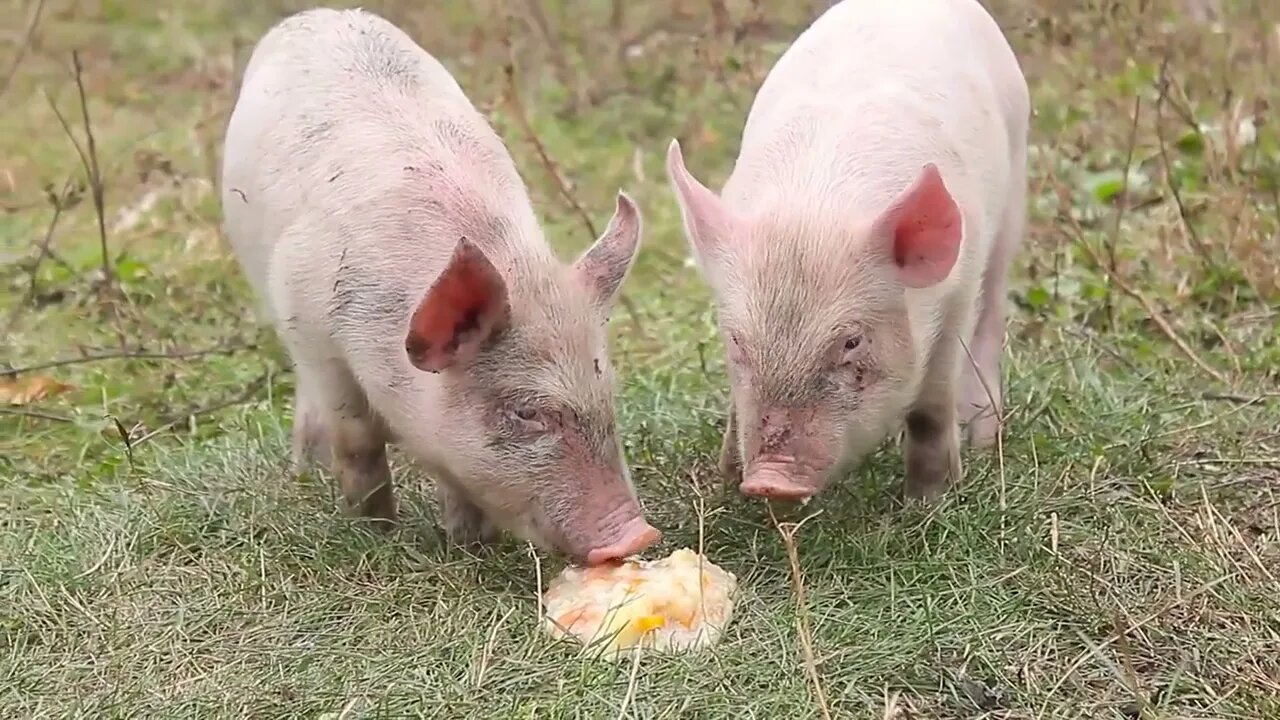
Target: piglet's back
(346, 129)
(889, 84)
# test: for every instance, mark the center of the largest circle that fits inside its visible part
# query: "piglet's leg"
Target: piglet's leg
(982, 404)
(358, 440)
(310, 431)
(730, 460)
(463, 522)
(932, 446)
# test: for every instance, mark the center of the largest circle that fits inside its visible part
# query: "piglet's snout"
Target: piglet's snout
(779, 478)
(787, 458)
(611, 536)
(633, 538)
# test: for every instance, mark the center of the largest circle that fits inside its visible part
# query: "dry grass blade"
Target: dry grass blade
(1153, 313)
(788, 532)
(1157, 317)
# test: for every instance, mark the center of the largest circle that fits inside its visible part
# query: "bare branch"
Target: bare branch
(1175, 188)
(38, 414)
(1114, 239)
(61, 202)
(537, 17)
(96, 188)
(225, 349)
(239, 399)
(522, 117)
(23, 45)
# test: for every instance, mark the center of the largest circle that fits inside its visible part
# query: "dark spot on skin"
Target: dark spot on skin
(468, 324)
(239, 192)
(416, 346)
(318, 131)
(336, 176)
(923, 425)
(597, 364)
(410, 168)
(342, 270)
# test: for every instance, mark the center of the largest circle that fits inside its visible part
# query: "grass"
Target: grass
(1118, 558)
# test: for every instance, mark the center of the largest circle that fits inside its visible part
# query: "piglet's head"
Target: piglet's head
(813, 310)
(528, 392)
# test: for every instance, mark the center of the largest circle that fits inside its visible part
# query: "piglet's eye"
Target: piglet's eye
(526, 415)
(853, 348)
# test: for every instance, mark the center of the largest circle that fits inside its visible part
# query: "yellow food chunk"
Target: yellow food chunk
(649, 622)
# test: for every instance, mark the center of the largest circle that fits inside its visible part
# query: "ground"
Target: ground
(1116, 556)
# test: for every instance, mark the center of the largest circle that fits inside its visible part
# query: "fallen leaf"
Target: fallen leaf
(33, 388)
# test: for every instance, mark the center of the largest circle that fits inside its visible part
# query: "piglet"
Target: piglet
(384, 226)
(862, 242)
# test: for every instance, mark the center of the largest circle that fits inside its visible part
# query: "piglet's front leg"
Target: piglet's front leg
(357, 438)
(464, 523)
(932, 447)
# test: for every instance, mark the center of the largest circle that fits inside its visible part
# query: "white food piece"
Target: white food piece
(680, 603)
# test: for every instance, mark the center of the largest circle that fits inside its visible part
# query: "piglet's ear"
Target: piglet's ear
(463, 309)
(604, 265)
(922, 228)
(709, 225)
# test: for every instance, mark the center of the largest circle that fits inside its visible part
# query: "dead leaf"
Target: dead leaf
(30, 389)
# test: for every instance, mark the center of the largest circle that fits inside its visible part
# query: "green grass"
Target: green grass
(1117, 558)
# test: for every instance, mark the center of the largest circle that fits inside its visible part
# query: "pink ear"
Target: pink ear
(708, 223)
(924, 226)
(604, 265)
(465, 306)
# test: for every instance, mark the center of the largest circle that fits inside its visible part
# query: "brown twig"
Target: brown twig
(1152, 311)
(40, 414)
(239, 399)
(537, 18)
(720, 21)
(96, 187)
(225, 349)
(1238, 398)
(788, 532)
(1175, 189)
(1158, 318)
(97, 190)
(61, 202)
(23, 45)
(526, 126)
(1123, 205)
(522, 117)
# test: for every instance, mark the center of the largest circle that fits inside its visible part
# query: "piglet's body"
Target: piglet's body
(865, 233)
(386, 228)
